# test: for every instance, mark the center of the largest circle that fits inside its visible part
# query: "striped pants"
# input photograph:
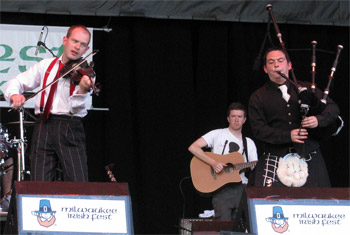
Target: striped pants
(61, 139)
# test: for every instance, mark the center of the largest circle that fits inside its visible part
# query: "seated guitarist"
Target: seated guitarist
(223, 141)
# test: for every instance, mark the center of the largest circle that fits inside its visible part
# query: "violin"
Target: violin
(78, 72)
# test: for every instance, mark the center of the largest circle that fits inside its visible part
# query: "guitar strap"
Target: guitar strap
(248, 171)
(245, 148)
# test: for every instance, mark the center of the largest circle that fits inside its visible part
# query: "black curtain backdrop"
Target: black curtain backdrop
(167, 82)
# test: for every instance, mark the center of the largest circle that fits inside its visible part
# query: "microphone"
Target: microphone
(39, 42)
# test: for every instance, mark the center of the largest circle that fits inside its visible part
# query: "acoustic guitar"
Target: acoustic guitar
(206, 180)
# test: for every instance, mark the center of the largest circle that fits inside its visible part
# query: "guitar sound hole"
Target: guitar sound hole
(229, 168)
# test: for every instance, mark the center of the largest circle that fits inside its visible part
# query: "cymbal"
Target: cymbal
(24, 122)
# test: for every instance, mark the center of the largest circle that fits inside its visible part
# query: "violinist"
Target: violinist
(58, 135)
(278, 122)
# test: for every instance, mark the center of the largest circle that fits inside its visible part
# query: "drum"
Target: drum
(4, 140)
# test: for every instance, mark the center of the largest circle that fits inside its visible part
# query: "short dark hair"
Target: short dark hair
(236, 106)
(71, 28)
(275, 48)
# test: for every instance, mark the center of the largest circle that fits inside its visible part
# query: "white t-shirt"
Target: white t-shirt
(216, 141)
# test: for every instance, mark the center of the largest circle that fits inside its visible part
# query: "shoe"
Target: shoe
(207, 214)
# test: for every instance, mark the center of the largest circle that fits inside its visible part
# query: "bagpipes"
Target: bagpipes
(310, 104)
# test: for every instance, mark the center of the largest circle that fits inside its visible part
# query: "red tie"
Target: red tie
(52, 92)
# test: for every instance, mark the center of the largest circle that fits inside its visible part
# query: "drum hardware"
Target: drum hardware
(20, 147)
(3, 149)
(19, 144)
(4, 169)
(24, 122)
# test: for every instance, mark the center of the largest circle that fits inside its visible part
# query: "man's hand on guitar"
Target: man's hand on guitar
(218, 166)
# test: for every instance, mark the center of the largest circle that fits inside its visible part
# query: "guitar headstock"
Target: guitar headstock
(110, 174)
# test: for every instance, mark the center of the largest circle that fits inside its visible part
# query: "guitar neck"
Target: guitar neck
(244, 165)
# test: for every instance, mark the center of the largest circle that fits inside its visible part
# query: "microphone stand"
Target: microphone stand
(258, 58)
(40, 43)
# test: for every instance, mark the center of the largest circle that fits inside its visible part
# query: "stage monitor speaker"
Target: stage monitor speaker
(186, 225)
(216, 226)
(207, 226)
(278, 210)
(69, 208)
